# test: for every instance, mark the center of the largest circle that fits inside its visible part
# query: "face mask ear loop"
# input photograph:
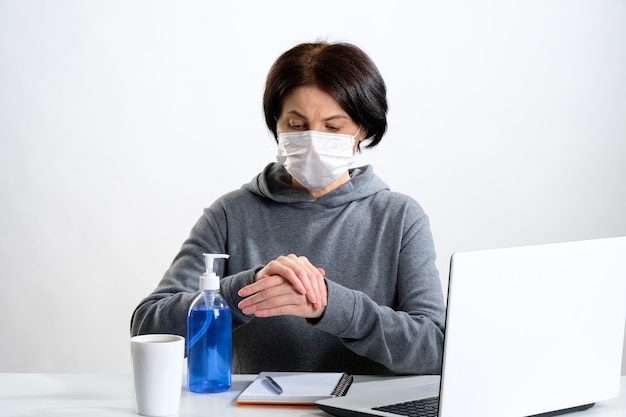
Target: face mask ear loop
(358, 144)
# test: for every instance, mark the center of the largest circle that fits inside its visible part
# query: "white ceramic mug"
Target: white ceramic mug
(158, 373)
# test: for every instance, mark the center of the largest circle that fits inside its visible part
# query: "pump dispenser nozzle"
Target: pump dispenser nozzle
(209, 280)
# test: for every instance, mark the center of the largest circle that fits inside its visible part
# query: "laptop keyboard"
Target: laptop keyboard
(426, 407)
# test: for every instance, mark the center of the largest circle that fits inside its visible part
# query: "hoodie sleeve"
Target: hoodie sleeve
(165, 309)
(408, 338)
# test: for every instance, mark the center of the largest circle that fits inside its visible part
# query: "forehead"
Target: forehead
(311, 101)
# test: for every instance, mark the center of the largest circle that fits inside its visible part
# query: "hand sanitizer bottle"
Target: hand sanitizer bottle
(209, 335)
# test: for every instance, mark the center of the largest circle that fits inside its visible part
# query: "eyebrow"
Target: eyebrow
(336, 116)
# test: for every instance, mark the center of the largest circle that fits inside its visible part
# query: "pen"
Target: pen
(274, 385)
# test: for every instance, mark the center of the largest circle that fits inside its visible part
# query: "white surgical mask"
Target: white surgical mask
(316, 159)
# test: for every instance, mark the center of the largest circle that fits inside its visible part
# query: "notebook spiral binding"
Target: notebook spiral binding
(343, 385)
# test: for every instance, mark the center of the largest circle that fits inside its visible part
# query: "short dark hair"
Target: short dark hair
(343, 71)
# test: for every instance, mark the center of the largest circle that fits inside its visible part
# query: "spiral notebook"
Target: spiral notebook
(298, 388)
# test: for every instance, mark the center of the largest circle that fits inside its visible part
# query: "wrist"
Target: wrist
(257, 272)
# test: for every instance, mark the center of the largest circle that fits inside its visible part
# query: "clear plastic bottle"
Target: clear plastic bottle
(209, 336)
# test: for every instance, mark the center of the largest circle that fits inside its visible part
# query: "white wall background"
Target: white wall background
(120, 120)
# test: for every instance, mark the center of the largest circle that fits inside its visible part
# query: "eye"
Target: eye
(296, 125)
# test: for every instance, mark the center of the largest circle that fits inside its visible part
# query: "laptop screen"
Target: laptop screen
(529, 330)
(536, 328)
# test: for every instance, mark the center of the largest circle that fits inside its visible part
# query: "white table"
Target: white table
(106, 395)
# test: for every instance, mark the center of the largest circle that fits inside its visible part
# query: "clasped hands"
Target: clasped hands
(288, 285)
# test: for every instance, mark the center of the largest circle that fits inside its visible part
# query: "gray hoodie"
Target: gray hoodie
(385, 312)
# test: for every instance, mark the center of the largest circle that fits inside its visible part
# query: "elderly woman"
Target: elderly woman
(329, 270)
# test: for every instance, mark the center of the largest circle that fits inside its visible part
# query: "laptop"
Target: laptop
(533, 330)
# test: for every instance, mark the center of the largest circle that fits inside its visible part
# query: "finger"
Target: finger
(306, 278)
(261, 285)
(261, 282)
(301, 308)
(305, 272)
(297, 271)
(312, 278)
(324, 287)
(317, 282)
(272, 297)
(278, 297)
(284, 266)
(278, 305)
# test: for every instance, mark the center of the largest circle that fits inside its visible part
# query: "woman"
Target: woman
(328, 269)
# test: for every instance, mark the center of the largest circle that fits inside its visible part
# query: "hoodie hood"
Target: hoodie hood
(275, 183)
